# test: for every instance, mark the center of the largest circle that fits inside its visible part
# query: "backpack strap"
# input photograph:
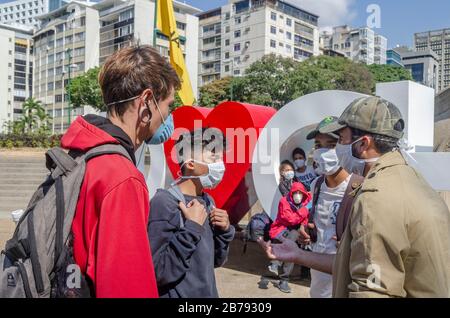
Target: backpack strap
(316, 194)
(210, 203)
(107, 149)
(176, 192)
(346, 205)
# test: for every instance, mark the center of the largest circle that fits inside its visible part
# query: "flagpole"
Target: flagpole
(155, 24)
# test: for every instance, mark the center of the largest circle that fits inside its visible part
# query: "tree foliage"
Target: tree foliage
(85, 90)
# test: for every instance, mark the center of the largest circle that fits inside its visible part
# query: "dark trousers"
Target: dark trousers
(286, 267)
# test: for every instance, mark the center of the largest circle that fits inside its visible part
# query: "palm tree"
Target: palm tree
(34, 114)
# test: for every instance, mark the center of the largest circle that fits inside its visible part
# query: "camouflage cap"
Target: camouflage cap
(371, 114)
(331, 120)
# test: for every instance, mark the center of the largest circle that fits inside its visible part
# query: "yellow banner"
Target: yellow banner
(167, 25)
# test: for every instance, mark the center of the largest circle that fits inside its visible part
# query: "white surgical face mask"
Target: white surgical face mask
(348, 161)
(297, 197)
(299, 163)
(327, 161)
(216, 170)
(289, 175)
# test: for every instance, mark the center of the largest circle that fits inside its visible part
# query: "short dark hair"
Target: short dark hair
(298, 151)
(383, 144)
(286, 163)
(196, 138)
(130, 71)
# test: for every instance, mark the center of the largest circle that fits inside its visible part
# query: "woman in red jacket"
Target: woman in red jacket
(292, 212)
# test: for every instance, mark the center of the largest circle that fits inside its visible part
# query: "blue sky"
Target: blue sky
(400, 19)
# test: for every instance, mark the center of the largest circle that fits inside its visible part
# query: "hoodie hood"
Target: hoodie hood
(297, 186)
(91, 131)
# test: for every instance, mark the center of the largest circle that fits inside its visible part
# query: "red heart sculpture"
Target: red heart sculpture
(235, 193)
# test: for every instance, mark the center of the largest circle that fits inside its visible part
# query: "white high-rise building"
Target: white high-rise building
(15, 71)
(66, 45)
(23, 12)
(360, 44)
(124, 22)
(241, 32)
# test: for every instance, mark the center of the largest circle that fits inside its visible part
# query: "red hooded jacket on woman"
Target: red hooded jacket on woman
(289, 216)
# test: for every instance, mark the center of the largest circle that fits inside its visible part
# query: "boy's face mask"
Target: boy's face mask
(216, 170)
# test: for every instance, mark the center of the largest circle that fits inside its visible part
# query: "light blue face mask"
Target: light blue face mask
(164, 131)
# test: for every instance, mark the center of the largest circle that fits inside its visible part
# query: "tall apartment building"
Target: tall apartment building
(360, 44)
(241, 32)
(439, 42)
(23, 12)
(15, 71)
(423, 65)
(63, 47)
(125, 22)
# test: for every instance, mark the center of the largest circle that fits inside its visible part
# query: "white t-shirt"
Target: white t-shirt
(325, 217)
(306, 177)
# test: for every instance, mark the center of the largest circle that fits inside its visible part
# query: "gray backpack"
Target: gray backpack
(38, 260)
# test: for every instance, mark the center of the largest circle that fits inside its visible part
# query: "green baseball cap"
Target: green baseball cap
(371, 114)
(331, 120)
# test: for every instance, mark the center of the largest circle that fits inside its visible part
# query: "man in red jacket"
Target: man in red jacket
(110, 239)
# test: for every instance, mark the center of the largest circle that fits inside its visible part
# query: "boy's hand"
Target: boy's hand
(194, 211)
(219, 218)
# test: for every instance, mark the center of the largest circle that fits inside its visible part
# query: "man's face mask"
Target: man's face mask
(348, 161)
(327, 161)
(216, 170)
(164, 131)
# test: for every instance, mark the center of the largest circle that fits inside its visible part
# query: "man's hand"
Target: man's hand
(303, 237)
(287, 251)
(219, 219)
(194, 211)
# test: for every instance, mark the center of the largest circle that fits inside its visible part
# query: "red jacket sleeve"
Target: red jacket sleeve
(124, 266)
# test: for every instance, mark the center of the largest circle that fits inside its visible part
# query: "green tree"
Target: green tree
(326, 72)
(267, 82)
(215, 92)
(388, 73)
(85, 90)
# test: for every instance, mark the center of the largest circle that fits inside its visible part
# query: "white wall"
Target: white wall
(416, 103)
(92, 39)
(191, 50)
(6, 71)
(144, 21)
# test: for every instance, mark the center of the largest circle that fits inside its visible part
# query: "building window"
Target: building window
(237, 33)
(227, 55)
(227, 42)
(273, 16)
(237, 20)
(288, 22)
(289, 35)
(273, 30)
(237, 47)
(227, 29)
(227, 68)
(273, 43)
